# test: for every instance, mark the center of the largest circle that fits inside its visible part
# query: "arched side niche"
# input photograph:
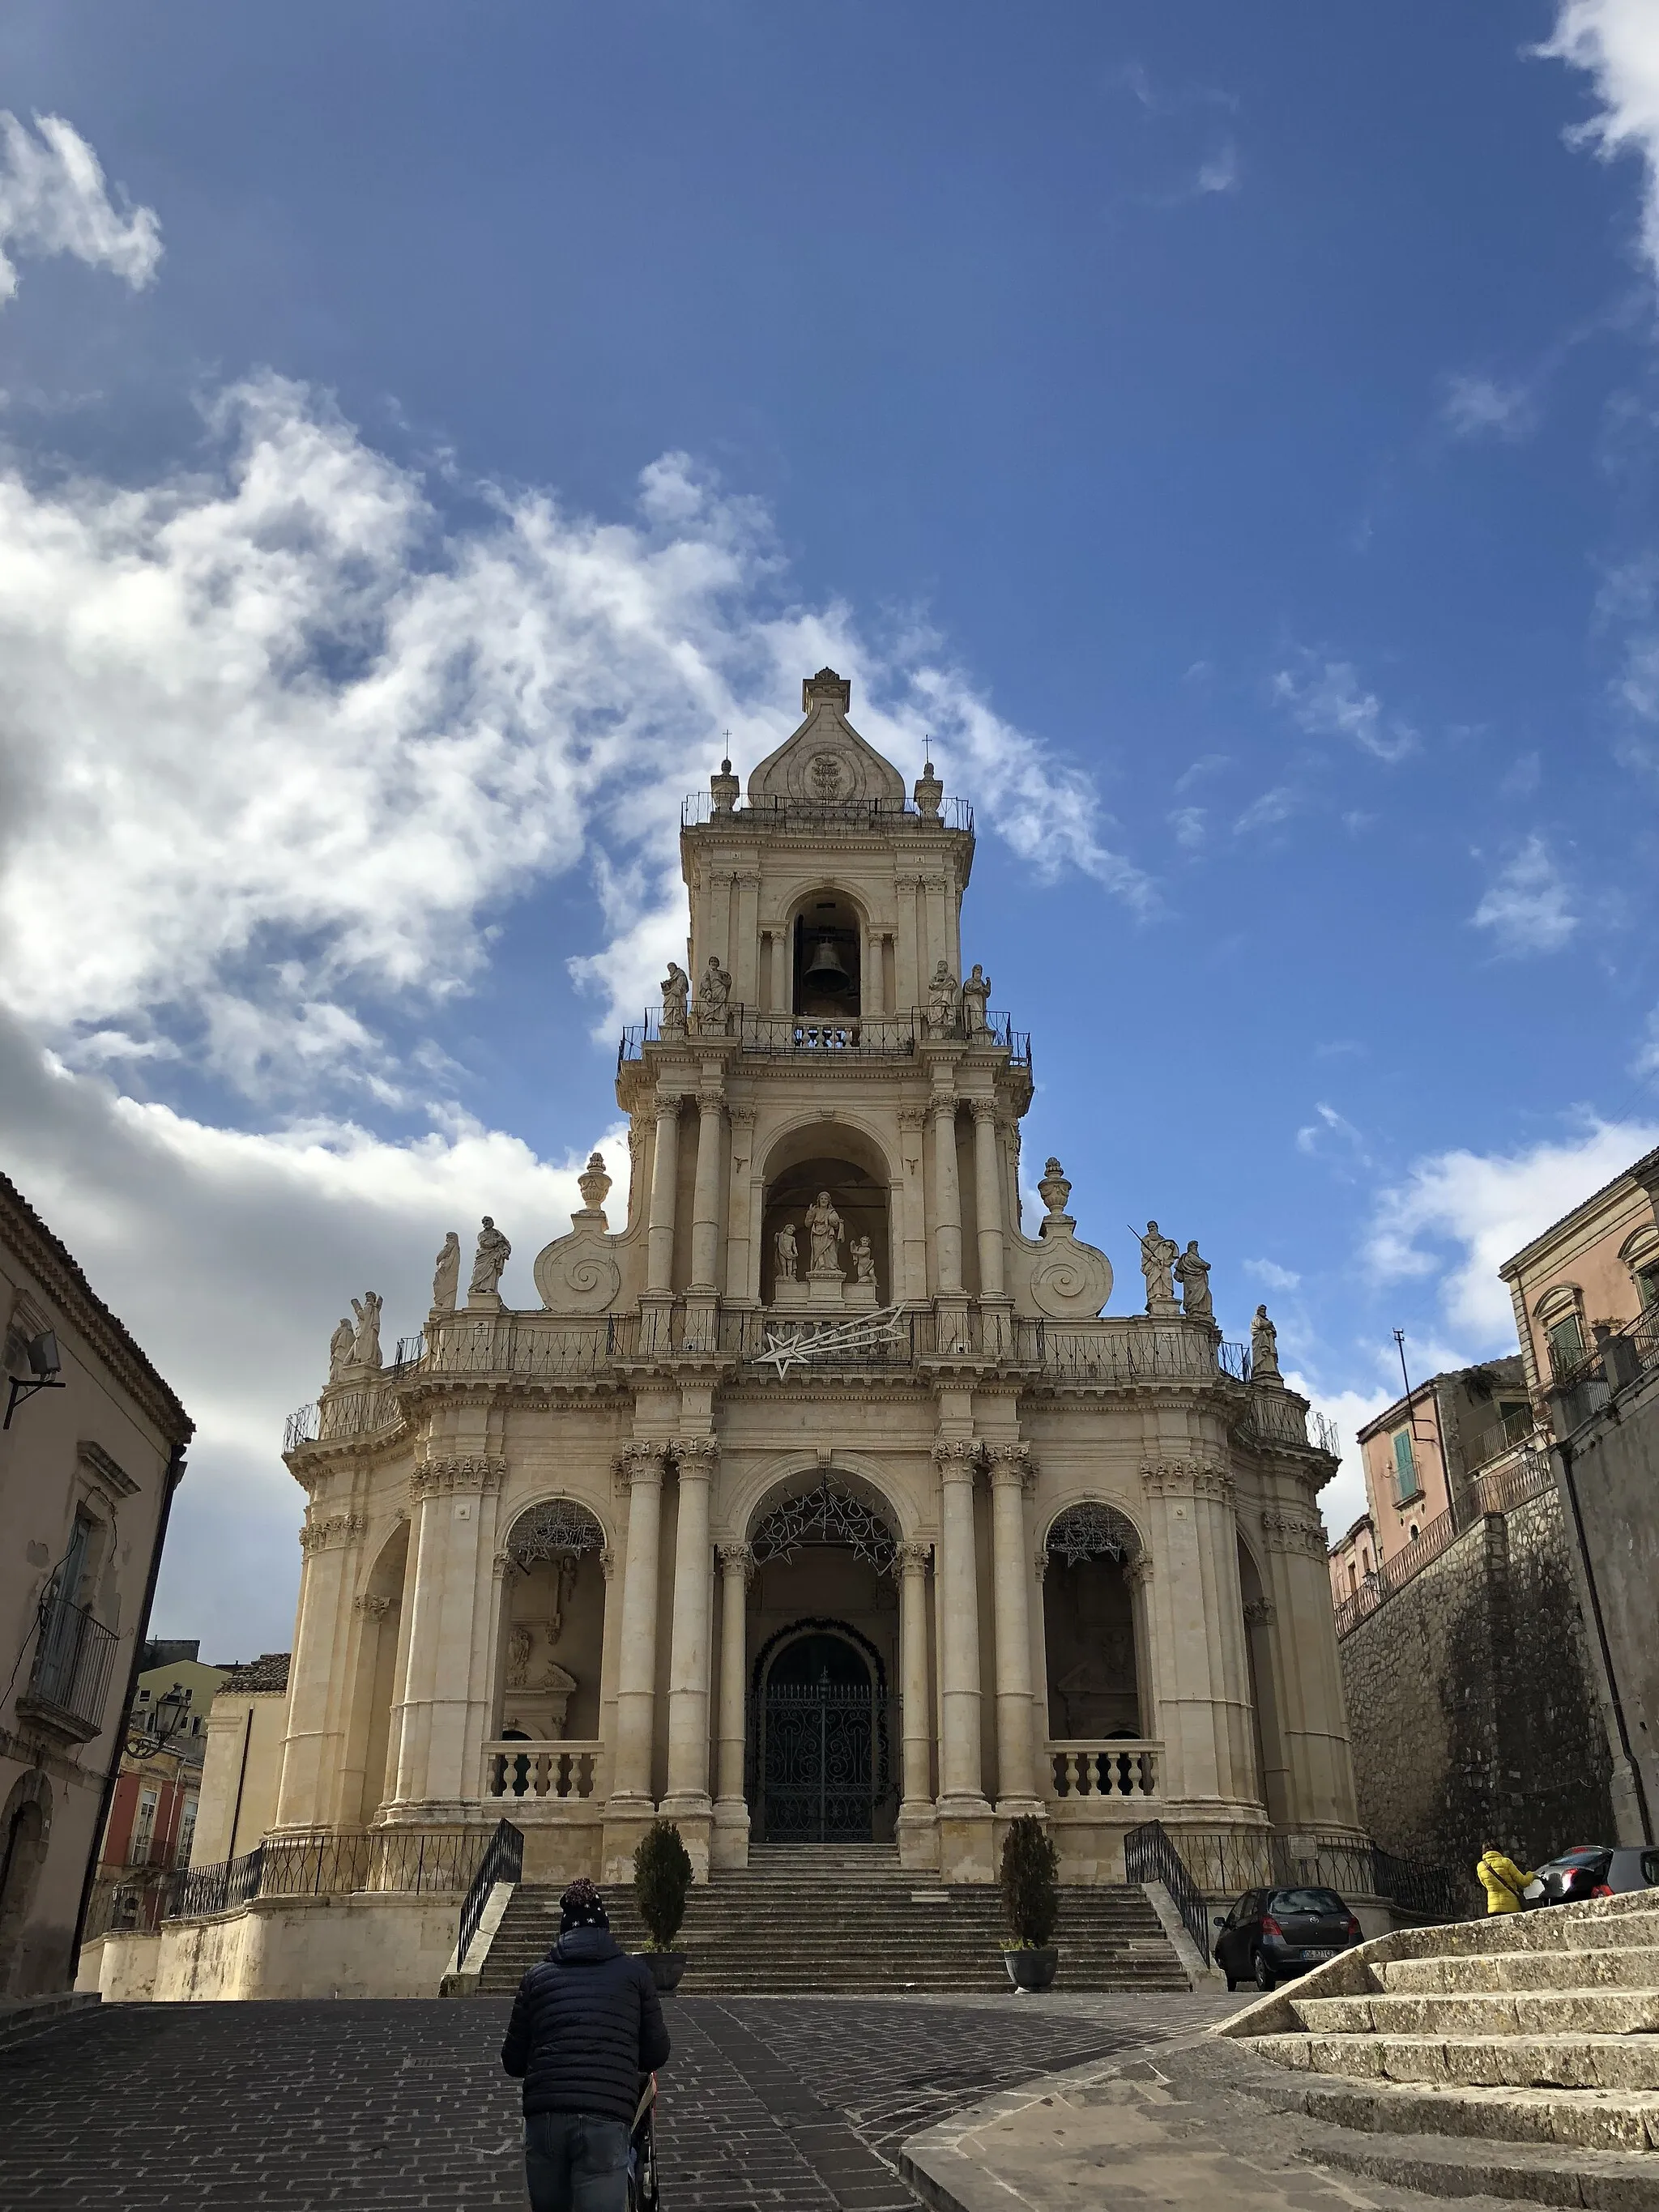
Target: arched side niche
(1094, 1638)
(827, 940)
(830, 1156)
(1272, 1765)
(552, 1622)
(370, 1755)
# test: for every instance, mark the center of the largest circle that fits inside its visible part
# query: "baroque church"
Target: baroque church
(821, 1500)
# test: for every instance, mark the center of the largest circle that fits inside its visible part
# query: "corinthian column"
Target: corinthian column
(730, 1847)
(959, 1628)
(687, 1801)
(987, 1197)
(915, 1819)
(664, 1181)
(640, 1466)
(1010, 1479)
(947, 1201)
(706, 1199)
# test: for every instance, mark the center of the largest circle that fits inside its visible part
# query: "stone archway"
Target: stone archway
(1095, 1648)
(552, 1624)
(25, 1827)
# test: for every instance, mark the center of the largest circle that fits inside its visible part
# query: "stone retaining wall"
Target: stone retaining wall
(1471, 1706)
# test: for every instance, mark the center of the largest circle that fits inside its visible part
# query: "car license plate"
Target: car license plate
(1319, 1954)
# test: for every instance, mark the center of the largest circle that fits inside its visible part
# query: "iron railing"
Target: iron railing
(1502, 1436)
(408, 1862)
(1614, 1356)
(776, 1037)
(72, 1665)
(1500, 1492)
(1149, 1855)
(503, 1860)
(698, 809)
(1223, 1864)
(359, 1410)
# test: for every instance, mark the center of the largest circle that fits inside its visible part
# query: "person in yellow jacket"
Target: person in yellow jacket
(1502, 1880)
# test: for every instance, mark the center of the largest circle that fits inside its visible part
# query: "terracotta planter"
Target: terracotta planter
(1032, 1969)
(668, 1966)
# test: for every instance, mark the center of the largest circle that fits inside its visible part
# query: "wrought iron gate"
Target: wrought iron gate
(822, 1760)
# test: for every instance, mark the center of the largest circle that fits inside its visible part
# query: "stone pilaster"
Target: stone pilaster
(1199, 1661)
(730, 1844)
(963, 1813)
(687, 1802)
(1012, 1479)
(630, 1806)
(918, 1834)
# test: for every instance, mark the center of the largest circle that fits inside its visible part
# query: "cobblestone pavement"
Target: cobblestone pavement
(768, 2104)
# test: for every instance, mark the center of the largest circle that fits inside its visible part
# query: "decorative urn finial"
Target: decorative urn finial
(929, 793)
(1055, 1191)
(724, 787)
(593, 1184)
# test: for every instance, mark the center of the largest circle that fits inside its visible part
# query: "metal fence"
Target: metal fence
(406, 1862)
(699, 809)
(1149, 1855)
(775, 1036)
(72, 1664)
(502, 1861)
(1499, 1491)
(1220, 1866)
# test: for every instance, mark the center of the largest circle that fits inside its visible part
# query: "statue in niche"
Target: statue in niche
(1193, 1273)
(713, 989)
(366, 1337)
(520, 1643)
(975, 992)
(492, 1255)
(447, 1275)
(1158, 1254)
(943, 1002)
(785, 1242)
(823, 1227)
(676, 990)
(341, 1346)
(1264, 1348)
(864, 1259)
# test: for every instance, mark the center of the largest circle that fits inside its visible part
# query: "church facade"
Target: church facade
(819, 1501)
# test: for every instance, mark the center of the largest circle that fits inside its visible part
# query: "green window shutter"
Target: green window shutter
(1405, 1467)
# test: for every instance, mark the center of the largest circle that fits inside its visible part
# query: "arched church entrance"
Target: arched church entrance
(822, 1742)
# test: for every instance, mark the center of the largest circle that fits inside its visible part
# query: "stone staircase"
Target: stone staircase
(1516, 2056)
(824, 1919)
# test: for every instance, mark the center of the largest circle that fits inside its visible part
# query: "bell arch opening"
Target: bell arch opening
(552, 1625)
(827, 953)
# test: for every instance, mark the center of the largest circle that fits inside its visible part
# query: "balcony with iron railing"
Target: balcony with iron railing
(1499, 1490)
(900, 816)
(813, 1037)
(68, 1683)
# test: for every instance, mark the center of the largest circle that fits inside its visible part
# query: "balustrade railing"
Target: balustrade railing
(699, 808)
(516, 1766)
(1112, 1768)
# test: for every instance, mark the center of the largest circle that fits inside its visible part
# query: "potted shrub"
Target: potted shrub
(662, 1877)
(1030, 1904)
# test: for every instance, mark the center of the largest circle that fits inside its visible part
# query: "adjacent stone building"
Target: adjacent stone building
(817, 1501)
(92, 1450)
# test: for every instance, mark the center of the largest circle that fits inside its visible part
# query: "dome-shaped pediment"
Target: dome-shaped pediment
(826, 760)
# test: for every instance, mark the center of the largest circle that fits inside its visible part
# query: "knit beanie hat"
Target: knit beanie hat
(581, 1907)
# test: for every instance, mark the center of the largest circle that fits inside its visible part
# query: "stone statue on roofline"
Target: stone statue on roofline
(491, 1258)
(340, 1345)
(1264, 1349)
(943, 1002)
(714, 990)
(446, 1277)
(366, 1337)
(676, 990)
(1192, 1271)
(975, 996)
(1158, 1254)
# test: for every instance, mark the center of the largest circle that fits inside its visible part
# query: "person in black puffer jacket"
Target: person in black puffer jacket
(587, 2024)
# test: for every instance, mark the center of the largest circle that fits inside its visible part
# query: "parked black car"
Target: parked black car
(1593, 1870)
(1271, 1932)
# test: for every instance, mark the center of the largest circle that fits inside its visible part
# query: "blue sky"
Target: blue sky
(1229, 433)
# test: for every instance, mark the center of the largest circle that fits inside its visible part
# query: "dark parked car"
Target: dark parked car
(1270, 1932)
(1593, 1870)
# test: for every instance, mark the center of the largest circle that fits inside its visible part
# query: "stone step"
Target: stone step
(1630, 1966)
(1579, 2119)
(1510, 2012)
(1513, 2061)
(1558, 1928)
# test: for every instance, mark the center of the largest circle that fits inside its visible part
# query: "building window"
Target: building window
(1647, 1284)
(143, 1828)
(187, 1830)
(1412, 1531)
(1566, 1338)
(1405, 1466)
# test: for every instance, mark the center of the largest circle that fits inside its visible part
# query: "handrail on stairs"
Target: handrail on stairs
(1150, 1855)
(503, 1860)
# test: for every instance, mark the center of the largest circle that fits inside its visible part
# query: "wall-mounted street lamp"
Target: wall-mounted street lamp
(44, 1366)
(154, 1731)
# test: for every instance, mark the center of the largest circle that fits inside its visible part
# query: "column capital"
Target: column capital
(942, 1106)
(1043, 1562)
(957, 1458)
(670, 1096)
(913, 1117)
(1138, 1572)
(375, 1608)
(1289, 1532)
(473, 1471)
(984, 1109)
(1259, 1613)
(338, 1528)
(697, 1456)
(913, 1558)
(1011, 1464)
(642, 1463)
(736, 1560)
(607, 1561)
(740, 1116)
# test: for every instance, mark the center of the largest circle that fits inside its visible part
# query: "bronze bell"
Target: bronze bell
(824, 971)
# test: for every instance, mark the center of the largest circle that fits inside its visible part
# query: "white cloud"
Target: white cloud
(1268, 812)
(273, 749)
(1526, 907)
(1187, 823)
(232, 1254)
(1616, 42)
(1331, 1129)
(1479, 407)
(53, 199)
(1271, 1276)
(1220, 174)
(1490, 1205)
(1326, 698)
(1207, 764)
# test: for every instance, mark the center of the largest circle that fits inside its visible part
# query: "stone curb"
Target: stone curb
(24, 2016)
